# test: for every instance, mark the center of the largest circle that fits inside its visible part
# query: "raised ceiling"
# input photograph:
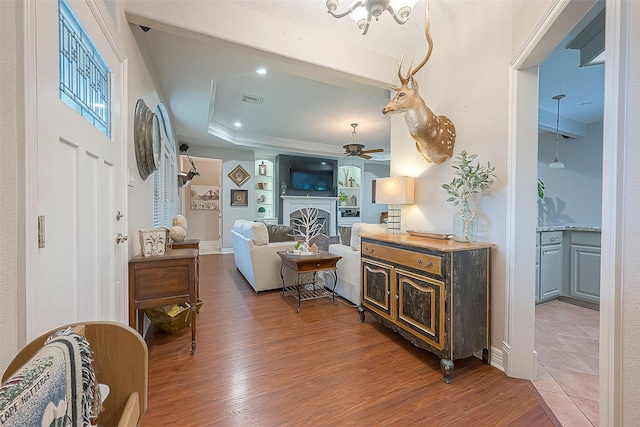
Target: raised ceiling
(301, 110)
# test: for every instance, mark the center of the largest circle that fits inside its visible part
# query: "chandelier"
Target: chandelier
(361, 11)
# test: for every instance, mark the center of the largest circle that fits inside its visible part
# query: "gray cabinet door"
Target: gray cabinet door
(585, 272)
(550, 271)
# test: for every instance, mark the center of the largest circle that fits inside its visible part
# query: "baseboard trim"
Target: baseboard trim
(586, 304)
(208, 247)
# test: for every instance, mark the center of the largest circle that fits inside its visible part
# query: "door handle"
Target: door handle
(120, 238)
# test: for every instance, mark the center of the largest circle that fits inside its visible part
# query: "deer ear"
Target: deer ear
(414, 84)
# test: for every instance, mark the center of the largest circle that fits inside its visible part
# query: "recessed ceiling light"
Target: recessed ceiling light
(237, 124)
(261, 71)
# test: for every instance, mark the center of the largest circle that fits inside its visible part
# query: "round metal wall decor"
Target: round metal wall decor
(146, 137)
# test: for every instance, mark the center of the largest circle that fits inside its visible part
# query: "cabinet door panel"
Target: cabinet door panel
(585, 272)
(376, 287)
(551, 268)
(420, 308)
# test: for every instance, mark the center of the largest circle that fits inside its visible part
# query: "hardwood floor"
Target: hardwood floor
(259, 363)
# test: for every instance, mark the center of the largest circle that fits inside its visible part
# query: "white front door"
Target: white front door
(76, 270)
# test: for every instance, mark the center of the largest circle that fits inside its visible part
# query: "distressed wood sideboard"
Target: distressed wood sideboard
(435, 293)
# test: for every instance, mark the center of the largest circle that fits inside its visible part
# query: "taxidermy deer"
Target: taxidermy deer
(185, 178)
(434, 135)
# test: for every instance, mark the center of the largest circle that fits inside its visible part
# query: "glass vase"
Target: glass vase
(465, 224)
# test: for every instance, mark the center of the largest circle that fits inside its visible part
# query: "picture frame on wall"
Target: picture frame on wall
(239, 175)
(239, 197)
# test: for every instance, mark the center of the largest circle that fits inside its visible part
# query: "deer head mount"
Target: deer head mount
(434, 135)
(185, 178)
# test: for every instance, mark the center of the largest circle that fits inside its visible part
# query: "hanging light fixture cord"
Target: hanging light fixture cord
(557, 163)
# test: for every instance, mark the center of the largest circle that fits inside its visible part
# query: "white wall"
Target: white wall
(140, 193)
(10, 224)
(573, 195)
(370, 211)
(627, 291)
(467, 80)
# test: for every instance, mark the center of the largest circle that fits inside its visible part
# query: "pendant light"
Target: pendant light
(557, 164)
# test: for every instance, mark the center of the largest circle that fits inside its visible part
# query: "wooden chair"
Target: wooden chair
(120, 360)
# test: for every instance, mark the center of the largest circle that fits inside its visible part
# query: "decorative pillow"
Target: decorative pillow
(280, 233)
(360, 228)
(345, 234)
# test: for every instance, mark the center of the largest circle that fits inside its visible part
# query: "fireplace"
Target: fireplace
(327, 210)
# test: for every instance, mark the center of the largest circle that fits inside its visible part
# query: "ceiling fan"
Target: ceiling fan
(354, 148)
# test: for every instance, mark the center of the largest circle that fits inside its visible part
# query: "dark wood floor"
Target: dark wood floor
(259, 363)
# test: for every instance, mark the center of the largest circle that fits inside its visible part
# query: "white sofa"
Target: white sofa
(348, 285)
(255, 257)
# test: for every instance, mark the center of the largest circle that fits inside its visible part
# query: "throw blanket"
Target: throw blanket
(56, 387)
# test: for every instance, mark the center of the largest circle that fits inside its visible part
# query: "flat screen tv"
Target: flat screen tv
(312, 180)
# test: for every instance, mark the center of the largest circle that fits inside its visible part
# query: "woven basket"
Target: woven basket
(172, 318)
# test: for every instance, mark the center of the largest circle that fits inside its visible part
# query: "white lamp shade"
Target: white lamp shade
(395, 190)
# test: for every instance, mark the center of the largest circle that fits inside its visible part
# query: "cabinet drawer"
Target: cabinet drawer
(424, 262)
(590, 238)
(551, 237)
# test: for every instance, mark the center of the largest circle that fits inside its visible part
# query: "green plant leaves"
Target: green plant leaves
(471, 179)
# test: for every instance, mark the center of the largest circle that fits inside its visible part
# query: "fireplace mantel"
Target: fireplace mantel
(328, 204)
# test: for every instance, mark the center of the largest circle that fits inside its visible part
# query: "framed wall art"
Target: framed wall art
(205, 197)
(239, 175)
(239, 197)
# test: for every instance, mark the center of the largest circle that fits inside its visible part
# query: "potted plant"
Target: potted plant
(471, 179)
(343, 198)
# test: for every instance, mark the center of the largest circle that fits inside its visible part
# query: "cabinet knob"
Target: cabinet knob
(397, 297)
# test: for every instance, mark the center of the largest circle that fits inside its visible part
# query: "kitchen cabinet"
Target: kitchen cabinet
(584, 275)
(435, 293)
(551, 265)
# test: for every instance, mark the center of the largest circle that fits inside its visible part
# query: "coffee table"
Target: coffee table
(302, 266)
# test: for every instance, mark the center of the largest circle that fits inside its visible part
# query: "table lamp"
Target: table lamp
(394, 191)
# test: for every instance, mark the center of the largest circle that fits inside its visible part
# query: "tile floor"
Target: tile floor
(566, 340)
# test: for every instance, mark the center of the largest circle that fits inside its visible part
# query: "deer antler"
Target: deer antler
(427, 33)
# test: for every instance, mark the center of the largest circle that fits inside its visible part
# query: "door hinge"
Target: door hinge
(40, 231)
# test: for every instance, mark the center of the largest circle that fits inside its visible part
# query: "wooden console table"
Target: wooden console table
(154, 281)
(435, 293)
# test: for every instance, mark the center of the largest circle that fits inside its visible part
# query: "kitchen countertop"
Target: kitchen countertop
(569, 227)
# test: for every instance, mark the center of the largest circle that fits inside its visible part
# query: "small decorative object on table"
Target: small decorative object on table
(153, 241)
(471, 179)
